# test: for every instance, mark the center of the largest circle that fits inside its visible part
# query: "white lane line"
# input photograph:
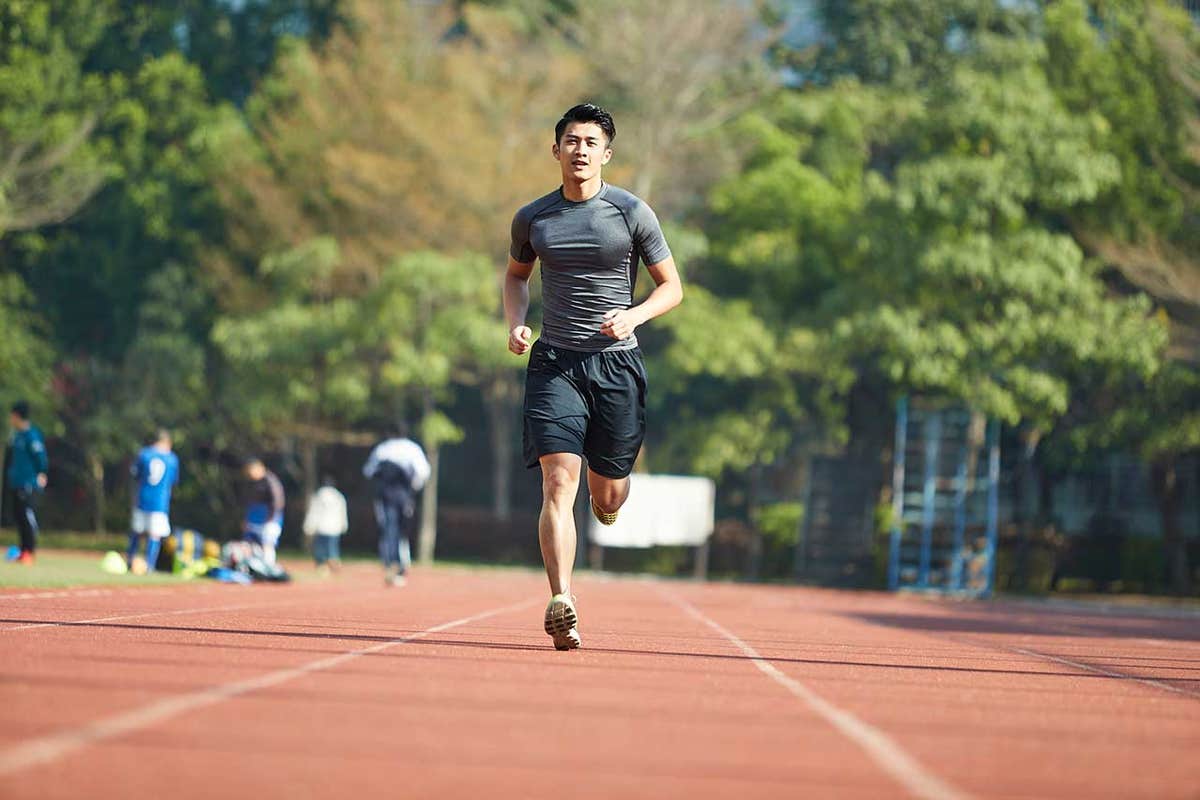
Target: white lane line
(68, 593)
(1123, 676)
(880, 747)
(46, 749)
(69, 622)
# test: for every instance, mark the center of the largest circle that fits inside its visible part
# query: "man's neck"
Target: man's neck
(579, 191)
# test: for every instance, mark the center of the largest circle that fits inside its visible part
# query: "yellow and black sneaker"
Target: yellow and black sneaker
(604, 517)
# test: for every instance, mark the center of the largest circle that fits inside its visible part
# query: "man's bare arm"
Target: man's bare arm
(620, 323)
(516, 305)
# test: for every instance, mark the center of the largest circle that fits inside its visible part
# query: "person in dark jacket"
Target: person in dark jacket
(398, 470)
(25, 467)
(264, 509)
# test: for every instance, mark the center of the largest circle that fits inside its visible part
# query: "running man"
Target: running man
(25, 466)
(585, 388)
(264, 509)
(156, 471)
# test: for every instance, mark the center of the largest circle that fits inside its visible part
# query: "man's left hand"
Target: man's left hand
(620, 323)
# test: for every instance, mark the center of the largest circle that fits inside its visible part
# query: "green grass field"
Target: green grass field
(56, 569)
(72, 559)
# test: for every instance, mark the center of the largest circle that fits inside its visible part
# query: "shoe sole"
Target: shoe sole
(603, 517)
(560, 620)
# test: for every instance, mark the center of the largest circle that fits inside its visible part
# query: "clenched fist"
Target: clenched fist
(620, 323)
(520, 339)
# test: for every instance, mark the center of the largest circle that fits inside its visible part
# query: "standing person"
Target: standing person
(25, 467)
(326, 521)
(398, 471)
(264, 509)
(156, 471)
(585, 388)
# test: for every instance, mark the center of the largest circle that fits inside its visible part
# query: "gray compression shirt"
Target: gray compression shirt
(589, 253)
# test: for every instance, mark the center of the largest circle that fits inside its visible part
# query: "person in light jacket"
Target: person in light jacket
(326, 522)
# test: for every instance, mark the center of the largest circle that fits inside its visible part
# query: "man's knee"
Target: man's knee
(559, 483)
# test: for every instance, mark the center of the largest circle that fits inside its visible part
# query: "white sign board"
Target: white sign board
(661, 510)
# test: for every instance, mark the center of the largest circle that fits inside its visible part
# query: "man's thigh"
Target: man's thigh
(617, 423)
(555, 413)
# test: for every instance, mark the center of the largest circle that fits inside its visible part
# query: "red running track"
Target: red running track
(448, 688)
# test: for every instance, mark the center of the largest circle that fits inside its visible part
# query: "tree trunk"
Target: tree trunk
(429, 509)
(99, 500)
(429, 504)
(499, 398)
(755, 552)
(1024, 481)
(308, 462)
(1168, 492)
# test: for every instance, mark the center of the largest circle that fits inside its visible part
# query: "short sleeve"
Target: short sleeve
(521, 250)
(648, 235)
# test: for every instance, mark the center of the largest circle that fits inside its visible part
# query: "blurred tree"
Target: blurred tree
(93, 91)
(297, 358)
(907, 207)
(671, 83)
(1136, 64)
(26, 353)
(422, 129)
(109, 409)
(234, 43)
(49, 106)
(433, 325)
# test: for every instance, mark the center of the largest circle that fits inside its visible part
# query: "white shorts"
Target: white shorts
(154, 523)
(266, 533)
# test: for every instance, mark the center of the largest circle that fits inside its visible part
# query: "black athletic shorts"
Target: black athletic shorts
(590, 404)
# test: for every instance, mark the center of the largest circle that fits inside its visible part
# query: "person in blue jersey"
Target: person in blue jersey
(156, 471)
(585, 387)
(263, 523)
(25, 468)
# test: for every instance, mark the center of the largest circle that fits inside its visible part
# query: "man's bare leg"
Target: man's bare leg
(556, 525)
(556, 534)
(608, 495)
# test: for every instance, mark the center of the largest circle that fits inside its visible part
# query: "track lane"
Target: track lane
(996, 722)
(658, 704)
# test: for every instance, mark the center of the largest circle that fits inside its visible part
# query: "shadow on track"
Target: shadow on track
(513, 646)
(1010, 622)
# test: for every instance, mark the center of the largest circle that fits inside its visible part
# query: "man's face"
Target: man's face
(255, 471)
(14, 421)
(582, 151)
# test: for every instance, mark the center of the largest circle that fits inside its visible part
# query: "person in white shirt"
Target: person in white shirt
(398, 471)
(326, 522)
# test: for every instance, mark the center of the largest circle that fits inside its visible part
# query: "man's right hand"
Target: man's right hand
(520, 339)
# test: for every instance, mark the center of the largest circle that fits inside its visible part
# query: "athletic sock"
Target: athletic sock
(134, 540)
(152, 548)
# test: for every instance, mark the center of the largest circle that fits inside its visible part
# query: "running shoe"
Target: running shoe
(604, 517)
(561, 620)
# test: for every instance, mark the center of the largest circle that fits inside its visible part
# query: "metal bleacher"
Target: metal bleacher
(944, 482)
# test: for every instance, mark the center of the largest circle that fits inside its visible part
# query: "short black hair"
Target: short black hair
(587, 112)
(21, 409)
